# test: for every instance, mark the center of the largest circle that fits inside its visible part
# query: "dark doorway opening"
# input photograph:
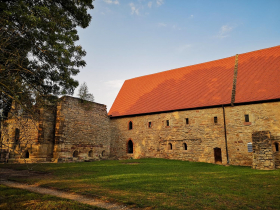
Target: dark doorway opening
(218, 155)
(130, 147)
(27, 154)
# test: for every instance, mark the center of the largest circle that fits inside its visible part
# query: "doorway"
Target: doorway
(218, 155)
(130, 147)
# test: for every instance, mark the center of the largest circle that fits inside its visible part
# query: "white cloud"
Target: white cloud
(111, 1)
(114, 83)
(162, 25)
(150, 4)
(134, 10)
(183, 47)
(191, 16)
(224, 31)
(159, 2)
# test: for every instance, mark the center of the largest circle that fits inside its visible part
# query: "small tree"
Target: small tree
(84, 94)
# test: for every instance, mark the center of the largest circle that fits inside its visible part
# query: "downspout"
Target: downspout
(232, 101)
(225, 129)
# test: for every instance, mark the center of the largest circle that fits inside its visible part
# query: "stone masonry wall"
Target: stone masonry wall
(82, 130)
(262, 117)
(35, 135)
(263, 157)
(201, 135)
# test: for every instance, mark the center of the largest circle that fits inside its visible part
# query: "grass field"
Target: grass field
(165, 184)
(11, 199)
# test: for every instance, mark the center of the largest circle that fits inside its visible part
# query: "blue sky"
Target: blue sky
(132, 38)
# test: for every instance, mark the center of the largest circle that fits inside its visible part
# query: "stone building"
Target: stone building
(68, 130)
(225, 111)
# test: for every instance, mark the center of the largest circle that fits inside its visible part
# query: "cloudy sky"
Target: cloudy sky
(132, 38)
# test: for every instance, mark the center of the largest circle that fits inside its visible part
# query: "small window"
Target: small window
(276, 147)
(17, 136)
(167, 122)
(75, 153)
(246, 118)
(169, 146)
(90, 153)
(150, 124)
(215, 119)
(185, 146)
(187, 121)
(250, 147)
(130, 125)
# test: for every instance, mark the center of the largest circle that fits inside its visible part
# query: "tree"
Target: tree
(38, 54)
(84, 94)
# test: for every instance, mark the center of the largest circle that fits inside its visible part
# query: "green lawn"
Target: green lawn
(11, 199)
(165, 184)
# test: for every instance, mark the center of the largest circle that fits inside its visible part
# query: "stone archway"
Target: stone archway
(75, 153)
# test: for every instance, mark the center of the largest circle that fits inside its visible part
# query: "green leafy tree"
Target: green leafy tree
(38, 53)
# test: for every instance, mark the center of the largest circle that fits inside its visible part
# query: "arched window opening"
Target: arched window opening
(75, 153)
(185, 146)
(276, 147)
(26, 154)
(130, 125)
(129, 146)
(169, 146)
(103, 153)
(90, 153)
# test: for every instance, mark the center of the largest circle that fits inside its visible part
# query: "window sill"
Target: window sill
(247, 123)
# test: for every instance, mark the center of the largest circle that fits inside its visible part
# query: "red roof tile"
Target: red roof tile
(258, 76)
(201, 85)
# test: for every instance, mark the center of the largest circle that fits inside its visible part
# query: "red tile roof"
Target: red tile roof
(202, 85)
(258, 76)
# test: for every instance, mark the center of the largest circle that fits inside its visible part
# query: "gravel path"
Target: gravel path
(57, 193)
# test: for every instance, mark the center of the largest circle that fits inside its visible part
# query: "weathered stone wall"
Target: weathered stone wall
(263, 157)
(35, 135)
(82, 127)
(262, 117)
(201, 135)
